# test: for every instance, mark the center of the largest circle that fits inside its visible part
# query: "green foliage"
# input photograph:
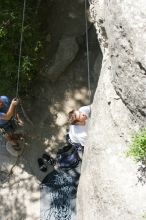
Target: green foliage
(144, 216)
(10, 30)
(138, 146)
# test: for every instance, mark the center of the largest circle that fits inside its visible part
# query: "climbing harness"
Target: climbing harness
(87, 48)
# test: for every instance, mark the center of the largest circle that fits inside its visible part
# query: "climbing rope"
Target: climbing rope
(87, 48)
(10, 173)
(19, 63)
(24, 113)
(20, 49)
(16, 161)
(18, 77)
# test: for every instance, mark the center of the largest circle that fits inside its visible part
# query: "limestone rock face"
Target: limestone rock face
(120, 26)
(65, 31)
(127, 45)
(109, 188)
(65, 54)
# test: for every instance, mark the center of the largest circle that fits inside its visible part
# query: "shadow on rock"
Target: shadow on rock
(141, 172)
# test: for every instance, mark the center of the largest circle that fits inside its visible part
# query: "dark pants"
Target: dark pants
(78, 146)
(6, 128)
(9, 127)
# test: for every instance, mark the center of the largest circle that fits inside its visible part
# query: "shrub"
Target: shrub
(138, 146)
(10, 28)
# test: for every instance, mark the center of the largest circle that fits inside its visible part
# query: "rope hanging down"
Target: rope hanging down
(19, 63)
(20, 50)
(87, 48)
(18, 77)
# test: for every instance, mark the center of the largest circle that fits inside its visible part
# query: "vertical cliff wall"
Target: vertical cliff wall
(109, 187)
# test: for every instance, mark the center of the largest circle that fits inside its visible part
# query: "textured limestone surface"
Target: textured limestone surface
(127, 50)
(65, 54)
(120, 25)
(109, 186)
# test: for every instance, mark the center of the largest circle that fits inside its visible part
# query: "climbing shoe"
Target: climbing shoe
(42, 165)
(49, 159)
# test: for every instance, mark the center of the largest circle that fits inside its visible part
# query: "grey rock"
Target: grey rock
(126, 48)
(66, 52)
(109, 187)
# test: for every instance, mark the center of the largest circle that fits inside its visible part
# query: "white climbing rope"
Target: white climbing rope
(87, 48)
(19, 62)
(18, 77)
(20, 50)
